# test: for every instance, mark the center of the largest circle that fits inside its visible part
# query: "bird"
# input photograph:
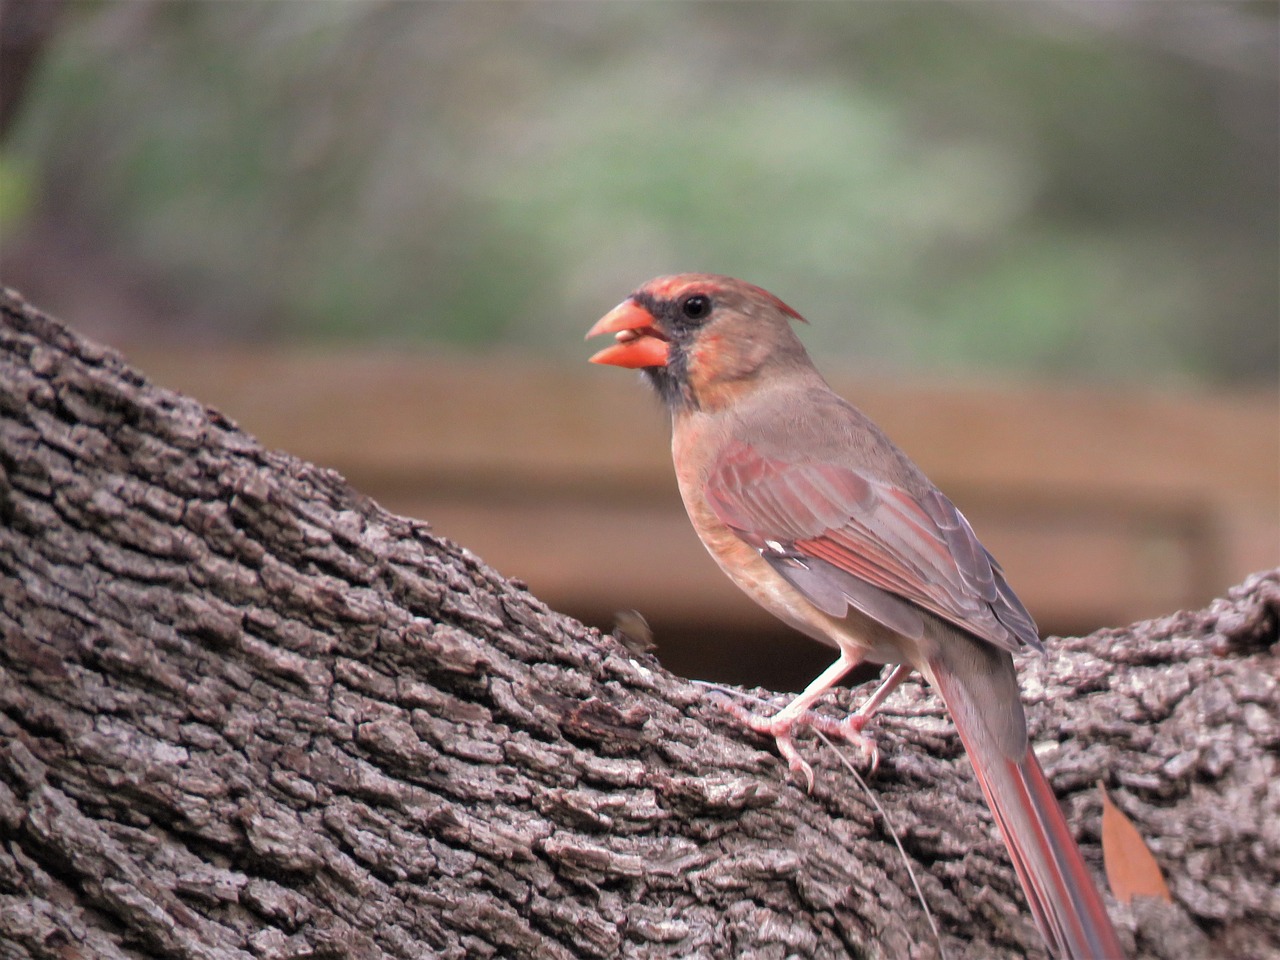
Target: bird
(811, 510)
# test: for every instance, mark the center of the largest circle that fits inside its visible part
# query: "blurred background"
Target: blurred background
(1039, 243)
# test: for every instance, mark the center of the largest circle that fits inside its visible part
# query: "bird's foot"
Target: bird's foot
(850, 731)
(781, 726)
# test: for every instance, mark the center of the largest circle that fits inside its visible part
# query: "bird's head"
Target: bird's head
(700, 338)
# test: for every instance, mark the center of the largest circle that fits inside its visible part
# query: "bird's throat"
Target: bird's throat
(672, 384)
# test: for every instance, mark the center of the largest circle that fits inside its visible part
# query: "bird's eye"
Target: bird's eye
(696, 307)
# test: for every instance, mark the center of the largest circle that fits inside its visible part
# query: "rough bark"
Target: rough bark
(244, 712)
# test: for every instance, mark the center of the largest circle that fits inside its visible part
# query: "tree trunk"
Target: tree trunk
(244, 712)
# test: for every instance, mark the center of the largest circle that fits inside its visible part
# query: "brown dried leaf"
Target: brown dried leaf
(1132, 871)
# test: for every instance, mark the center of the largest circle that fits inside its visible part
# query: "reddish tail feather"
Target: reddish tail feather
(1067, 907)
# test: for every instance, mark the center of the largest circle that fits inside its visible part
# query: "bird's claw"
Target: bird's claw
(795, 763)
(848, 729)
(781, 733)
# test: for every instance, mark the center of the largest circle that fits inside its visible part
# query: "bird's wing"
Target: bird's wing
(843, 538)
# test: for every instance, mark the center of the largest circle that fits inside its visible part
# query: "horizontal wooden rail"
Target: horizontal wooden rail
(1104, 505)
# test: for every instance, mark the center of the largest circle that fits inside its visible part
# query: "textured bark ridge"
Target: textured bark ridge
(246, 713)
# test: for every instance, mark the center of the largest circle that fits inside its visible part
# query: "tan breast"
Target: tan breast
(694, 445)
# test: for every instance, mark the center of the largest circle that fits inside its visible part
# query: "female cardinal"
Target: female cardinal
(819, 518)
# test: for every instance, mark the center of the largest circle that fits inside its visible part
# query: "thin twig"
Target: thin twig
(888, 825)
(848, 765)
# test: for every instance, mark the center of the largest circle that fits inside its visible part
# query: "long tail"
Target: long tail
(1067, 907)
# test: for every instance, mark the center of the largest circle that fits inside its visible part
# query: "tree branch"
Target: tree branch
(244, 712)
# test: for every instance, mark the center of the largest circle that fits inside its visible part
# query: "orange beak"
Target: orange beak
(640, 342)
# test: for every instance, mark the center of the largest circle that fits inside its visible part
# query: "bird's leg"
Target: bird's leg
(851, 726)
(799, 712)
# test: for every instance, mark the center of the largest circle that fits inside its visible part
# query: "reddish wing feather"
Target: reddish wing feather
(924, 552)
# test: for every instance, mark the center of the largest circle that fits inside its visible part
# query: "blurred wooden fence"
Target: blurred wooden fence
(1104, 505)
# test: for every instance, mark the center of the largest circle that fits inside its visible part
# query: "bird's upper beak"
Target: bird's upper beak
(640, 341)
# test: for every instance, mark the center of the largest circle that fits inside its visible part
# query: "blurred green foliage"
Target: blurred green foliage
(17, 191)
(1022, 186)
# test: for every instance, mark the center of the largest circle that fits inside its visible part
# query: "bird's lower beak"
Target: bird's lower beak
(640, 342)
